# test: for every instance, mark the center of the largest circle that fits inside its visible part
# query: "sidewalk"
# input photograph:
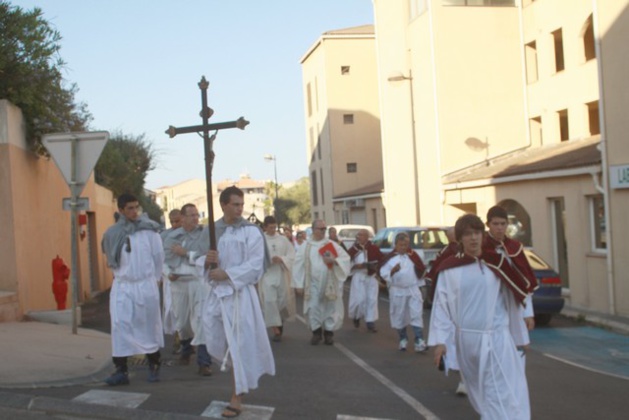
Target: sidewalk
(37, 354)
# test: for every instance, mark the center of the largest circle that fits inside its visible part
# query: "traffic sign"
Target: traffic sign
(81, 204)
(76, 154)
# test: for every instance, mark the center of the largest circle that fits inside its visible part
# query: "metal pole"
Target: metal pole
(276, 195)
(73, 221)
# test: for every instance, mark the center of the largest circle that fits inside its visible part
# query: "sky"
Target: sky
(137, 65)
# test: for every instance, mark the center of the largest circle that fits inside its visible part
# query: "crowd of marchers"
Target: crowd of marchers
(220, 301)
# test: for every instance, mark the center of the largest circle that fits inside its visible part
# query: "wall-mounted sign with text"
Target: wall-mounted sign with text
(619, 176)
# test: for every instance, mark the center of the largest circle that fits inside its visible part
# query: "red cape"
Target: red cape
(517, 284)
(373, 255)
(515, 251)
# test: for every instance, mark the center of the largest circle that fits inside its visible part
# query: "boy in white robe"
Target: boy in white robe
(135, 254)
(476, 301)
(276, 294)
(232, 318)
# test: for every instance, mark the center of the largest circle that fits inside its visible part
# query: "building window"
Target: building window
(595, 125)
(317, 94)
(313, 185)
(318, 143)
(588, 40)
(345, 70)
(597, 221)
(309, 99)
(322, 192)
(312, 144)
(564, 126)
(558, 41)
(345, 217)
(352, 168)
(530, 54)
(348, 118)
(535, 128)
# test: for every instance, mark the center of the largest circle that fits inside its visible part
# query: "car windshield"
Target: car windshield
(420, 239)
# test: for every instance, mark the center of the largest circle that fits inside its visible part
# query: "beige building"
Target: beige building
(35, 228)
(194, 191)
(343, 127)
(517, 103)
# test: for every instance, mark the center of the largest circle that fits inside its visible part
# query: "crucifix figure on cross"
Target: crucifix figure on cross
(205, 128)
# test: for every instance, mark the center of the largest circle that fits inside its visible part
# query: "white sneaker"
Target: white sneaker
(461, 389)
(420, 346)
(403, 343)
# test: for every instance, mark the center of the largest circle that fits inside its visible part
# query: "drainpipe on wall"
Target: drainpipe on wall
(604, 165)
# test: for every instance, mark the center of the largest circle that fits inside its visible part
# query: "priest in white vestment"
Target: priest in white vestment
(276, 294)
(475, 301)
(233, 322)
(321, 267)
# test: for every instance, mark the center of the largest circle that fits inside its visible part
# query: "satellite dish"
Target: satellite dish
(476, 144)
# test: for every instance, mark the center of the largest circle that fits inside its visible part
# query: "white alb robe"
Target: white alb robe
(232, 319)
(406, 302)
(363, 292)
(276, 294)
(136, 322)
(321, 311)
(472, 304)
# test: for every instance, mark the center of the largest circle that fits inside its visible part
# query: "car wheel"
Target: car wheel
(543, 319)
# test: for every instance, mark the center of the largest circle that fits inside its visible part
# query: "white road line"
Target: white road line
(568, 362)
(416, 405)
(249, 412)
(113, 398)
(346, 417)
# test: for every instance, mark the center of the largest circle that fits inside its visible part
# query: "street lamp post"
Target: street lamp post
(397, 78)
(269, 158)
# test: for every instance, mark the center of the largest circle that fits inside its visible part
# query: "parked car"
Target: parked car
(347, 233)
(547, 299)
(425, 241)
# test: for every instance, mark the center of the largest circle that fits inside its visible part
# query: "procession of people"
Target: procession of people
(230, 303)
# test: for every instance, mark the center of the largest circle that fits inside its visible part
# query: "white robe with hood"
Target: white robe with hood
(276, 294)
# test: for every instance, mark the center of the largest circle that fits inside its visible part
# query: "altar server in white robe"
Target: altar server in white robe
(233, 322)
(276, 294)
(477, 302)
(321, 267)
(135, 254)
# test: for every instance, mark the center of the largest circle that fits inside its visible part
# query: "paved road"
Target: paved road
(364, 376)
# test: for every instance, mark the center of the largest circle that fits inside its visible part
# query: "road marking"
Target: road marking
(346, 417)
(416, 405)
(249, 412)
(113, 398)
(568, 362)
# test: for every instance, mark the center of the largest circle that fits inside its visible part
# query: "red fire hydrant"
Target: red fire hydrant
(60, 274)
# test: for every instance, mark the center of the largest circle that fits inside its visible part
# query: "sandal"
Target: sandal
(231, 412)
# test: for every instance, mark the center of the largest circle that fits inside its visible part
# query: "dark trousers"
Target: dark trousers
(121, 362)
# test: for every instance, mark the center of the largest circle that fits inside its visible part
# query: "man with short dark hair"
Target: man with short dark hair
(182, 247)
(276, 294)
(321, 267)
(135, 255)
(232, 317)
(478, 310)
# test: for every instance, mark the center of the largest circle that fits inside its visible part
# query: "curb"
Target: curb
(56, 406)
(94, 377)
(598, 321)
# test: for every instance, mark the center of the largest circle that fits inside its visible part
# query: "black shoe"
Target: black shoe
(328, 338)
(371, 327)
(356, 323)
(316, 337)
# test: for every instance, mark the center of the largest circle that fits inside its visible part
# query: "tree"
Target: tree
(31, 75)
(293, 205)
(122, 168)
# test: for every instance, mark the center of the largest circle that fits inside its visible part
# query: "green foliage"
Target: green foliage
(122, 167)
(31, 75)
(293, 204)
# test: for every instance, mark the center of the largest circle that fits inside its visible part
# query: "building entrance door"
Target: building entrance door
(558, 212)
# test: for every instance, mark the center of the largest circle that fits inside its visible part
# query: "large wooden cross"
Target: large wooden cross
(205, 128)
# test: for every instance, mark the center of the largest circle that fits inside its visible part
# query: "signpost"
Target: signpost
(75, 155)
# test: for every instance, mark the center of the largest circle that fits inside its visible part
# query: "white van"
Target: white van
(347, 233)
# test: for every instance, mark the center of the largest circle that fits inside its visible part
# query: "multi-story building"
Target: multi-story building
(194, 191)
(343, 127)
(520, 103)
